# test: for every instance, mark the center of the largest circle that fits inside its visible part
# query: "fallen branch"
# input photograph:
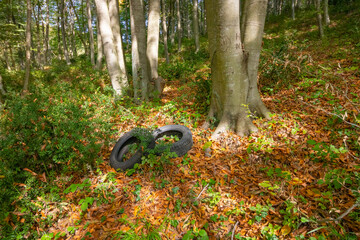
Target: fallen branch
(201, 192)
(341, 216)
(333, 114)
(233, 231)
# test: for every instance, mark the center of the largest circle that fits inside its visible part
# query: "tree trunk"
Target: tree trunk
(77, 32)
(63, 32)
(58, 29)
(38, 36)
(46, 54)
(319, 18)
(91, 34)
(186, 24)
(164, 30)
(256, 14)
(138, 49)
(116, 31)
(127, 40)
(326, 12)
(233, 64)
(72, 31)
(196, 25)
(112, 62)
(153, 43)
(179, 30)
(27, 45)
(293, 9)
(99, 48)
(172, 22)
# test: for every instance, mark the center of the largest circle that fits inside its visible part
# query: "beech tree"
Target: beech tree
(326, 12)
(164, 30)
(118, 80)
(138, 51)
(319, 17)
(179, 29)
(99, 56)
(116, 31)
(234, 63)
(196, 25)
(153, 43)
(27, 45)
(63, 31)
(91, 34)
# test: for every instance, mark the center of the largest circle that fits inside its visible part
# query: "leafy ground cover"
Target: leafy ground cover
(296, 178)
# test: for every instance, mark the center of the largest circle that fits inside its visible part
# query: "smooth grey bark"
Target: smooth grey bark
(47, 29)
(116, 31)
(91, 33)
(73, 34)
(256, 14)
(187, 27)
(63, 32)
(38, 36)
(234, 63)
(152, 50)
(138, 49)
(326, 12)
(319, 18)
(112, 62)
(164, 30)
(172, 22)
(196, 25)
(179, 29)
(100, 50)
(293, 9)
(27, 46)
(79, 33)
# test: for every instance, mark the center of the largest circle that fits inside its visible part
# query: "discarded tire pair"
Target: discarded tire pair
(146, 142)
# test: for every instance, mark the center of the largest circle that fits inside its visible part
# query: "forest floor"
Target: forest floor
(296, 178)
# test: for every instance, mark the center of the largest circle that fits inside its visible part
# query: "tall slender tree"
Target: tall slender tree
(196, 25)
(326, 12)
(116, 31)
(47, 27)
(27, 45)
(319, 17)
(118, 82)
(164, 30)
(99, 48)
(63, 31)
(179, 28)
(138, 50)
(153, 43)
(91, 34)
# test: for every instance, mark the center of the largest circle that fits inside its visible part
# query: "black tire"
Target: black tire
(141, 136)
(180, 147)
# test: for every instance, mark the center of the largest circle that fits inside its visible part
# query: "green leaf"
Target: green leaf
(175, 190)
(304, 220)
(188, 236)
(265, 184)
(311, 142)
(202, 233)
(207, 145)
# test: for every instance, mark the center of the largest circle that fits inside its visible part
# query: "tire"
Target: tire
(121, 147)
(180, 147)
